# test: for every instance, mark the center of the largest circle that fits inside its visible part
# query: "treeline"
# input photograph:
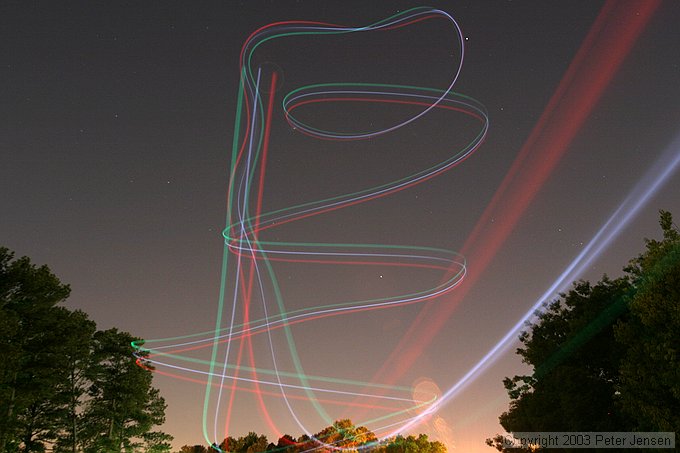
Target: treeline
(64, 385)
(341, 434)
(605, 356)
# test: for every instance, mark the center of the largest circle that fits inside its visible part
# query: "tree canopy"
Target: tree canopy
(650, 369)
(64, 385)
(605, 356)
(341, 434)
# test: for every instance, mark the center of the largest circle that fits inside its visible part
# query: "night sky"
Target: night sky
(116, 143)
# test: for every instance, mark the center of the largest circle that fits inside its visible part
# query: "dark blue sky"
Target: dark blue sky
(115, 142)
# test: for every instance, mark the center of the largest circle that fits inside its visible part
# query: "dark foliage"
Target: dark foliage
(605, 356)
(65, 386)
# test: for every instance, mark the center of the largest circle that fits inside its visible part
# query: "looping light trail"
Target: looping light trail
(254, 306)
(249, 281)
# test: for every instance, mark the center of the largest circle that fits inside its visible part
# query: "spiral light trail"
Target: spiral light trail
(252, 304)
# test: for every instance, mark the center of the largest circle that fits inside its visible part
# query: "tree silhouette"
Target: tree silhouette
(64, 385)
(650, 370)
(605, 356)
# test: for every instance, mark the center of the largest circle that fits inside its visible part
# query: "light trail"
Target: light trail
(247, 272)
